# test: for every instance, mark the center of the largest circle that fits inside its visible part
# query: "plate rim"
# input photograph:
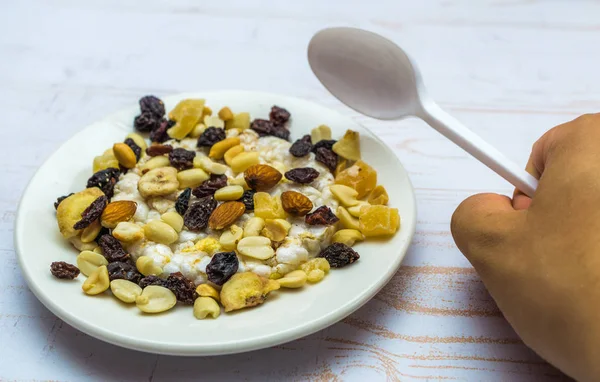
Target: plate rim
(239, 346)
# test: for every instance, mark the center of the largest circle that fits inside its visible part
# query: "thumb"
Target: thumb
(483, 225)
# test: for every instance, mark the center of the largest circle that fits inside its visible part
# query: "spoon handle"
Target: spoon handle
(470, 142)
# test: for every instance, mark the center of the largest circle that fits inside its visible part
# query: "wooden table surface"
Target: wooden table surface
(508, 69)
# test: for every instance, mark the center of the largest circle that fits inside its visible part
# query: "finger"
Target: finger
(483, 224)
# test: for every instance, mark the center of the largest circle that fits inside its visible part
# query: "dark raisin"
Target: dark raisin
(137, 150)
(326, 143)
(182, 159)
(183, 288)
(159, 134)
(301, 147)
(146, 122)
(327, 157)
(92, 213)
(197, 215)
(112, 249)
(60, 199)
(210, 186)
(152, 280)
(339, 255)
(279, 115)
(248, 199)
(153, 105)
(302, 175)
(281, 132)
(118, 270)
(262, 126)
(105, 180)
(321, 216)
(63, 270)
(222, 266)
(158, 149)
(210, 136)
(183, 200)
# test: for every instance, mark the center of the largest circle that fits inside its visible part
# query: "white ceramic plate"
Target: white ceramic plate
(287, 315)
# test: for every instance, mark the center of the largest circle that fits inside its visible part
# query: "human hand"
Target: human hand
(540, 258)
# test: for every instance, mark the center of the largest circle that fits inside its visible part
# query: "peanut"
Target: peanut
(346, 195)
(229, 193)
(97, 282)
(214, 121)
(205, 290)
(155, 162)
(315, 276)
(294, 279)
(128, 232)
(146, 266)
(155, 299)
(209, 166)
(139, 140)
(230, 237)
(320, 133)
(232, 153)
(244, 160)
(276, 229)
(125, 290)
(88, 262)
(198, 130)
(90, 232)
(239, 121)
(257, 247)
(253, 226)
(160, 232)
(191, 178)
(124, 155)
(225, 114)
(217, 151)
(173, 219)
(347, 236)
(356, 209)
(239, 181)
(205, 307)
(347, 220)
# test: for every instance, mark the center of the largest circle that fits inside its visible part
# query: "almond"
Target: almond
(226, 214)
(262, 177)
(296, 203)
(116, 212)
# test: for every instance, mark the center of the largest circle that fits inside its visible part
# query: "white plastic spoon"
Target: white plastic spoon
(375, 77)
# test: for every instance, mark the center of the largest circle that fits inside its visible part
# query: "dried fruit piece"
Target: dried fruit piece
(379, 221)
(197, 215)
(296, 203)
(186, 120)
(321, 216)
(137, 150)
(279, 115)
(183, 200)
(210, 186)
(138, 140)
(262, 177)
(240, 121)
(116, 212)
(92, 213)
(341, 166)
(64, 270)
(155, 299)
(153, 105)
(105, 180)
(210, 136)
(324, 143)
(360, 176)
(125, 290)
(320, 133)
(218, 150)
(152, 280)
(301, 147)
(226, 214)
(222, 266)
(248, 199)
(97, 282)
(119, 270)
(281, 132)
(182, 159)
(268, 207)
(158, 149)
(302, 175)
(327, 157)
(378, 196)
(339, 255)
(246, 289)
(183, 288)
(146, 122)
(112, 249)
(206, 307)
(159, 181)
(349, 146)
(159, 134)
(70, 210)
(60, 199)
(178, 110)
(263, 127)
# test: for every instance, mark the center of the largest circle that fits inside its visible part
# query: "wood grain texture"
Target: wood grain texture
(508, 69)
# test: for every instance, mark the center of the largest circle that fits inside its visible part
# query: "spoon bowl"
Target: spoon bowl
(376, 77)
